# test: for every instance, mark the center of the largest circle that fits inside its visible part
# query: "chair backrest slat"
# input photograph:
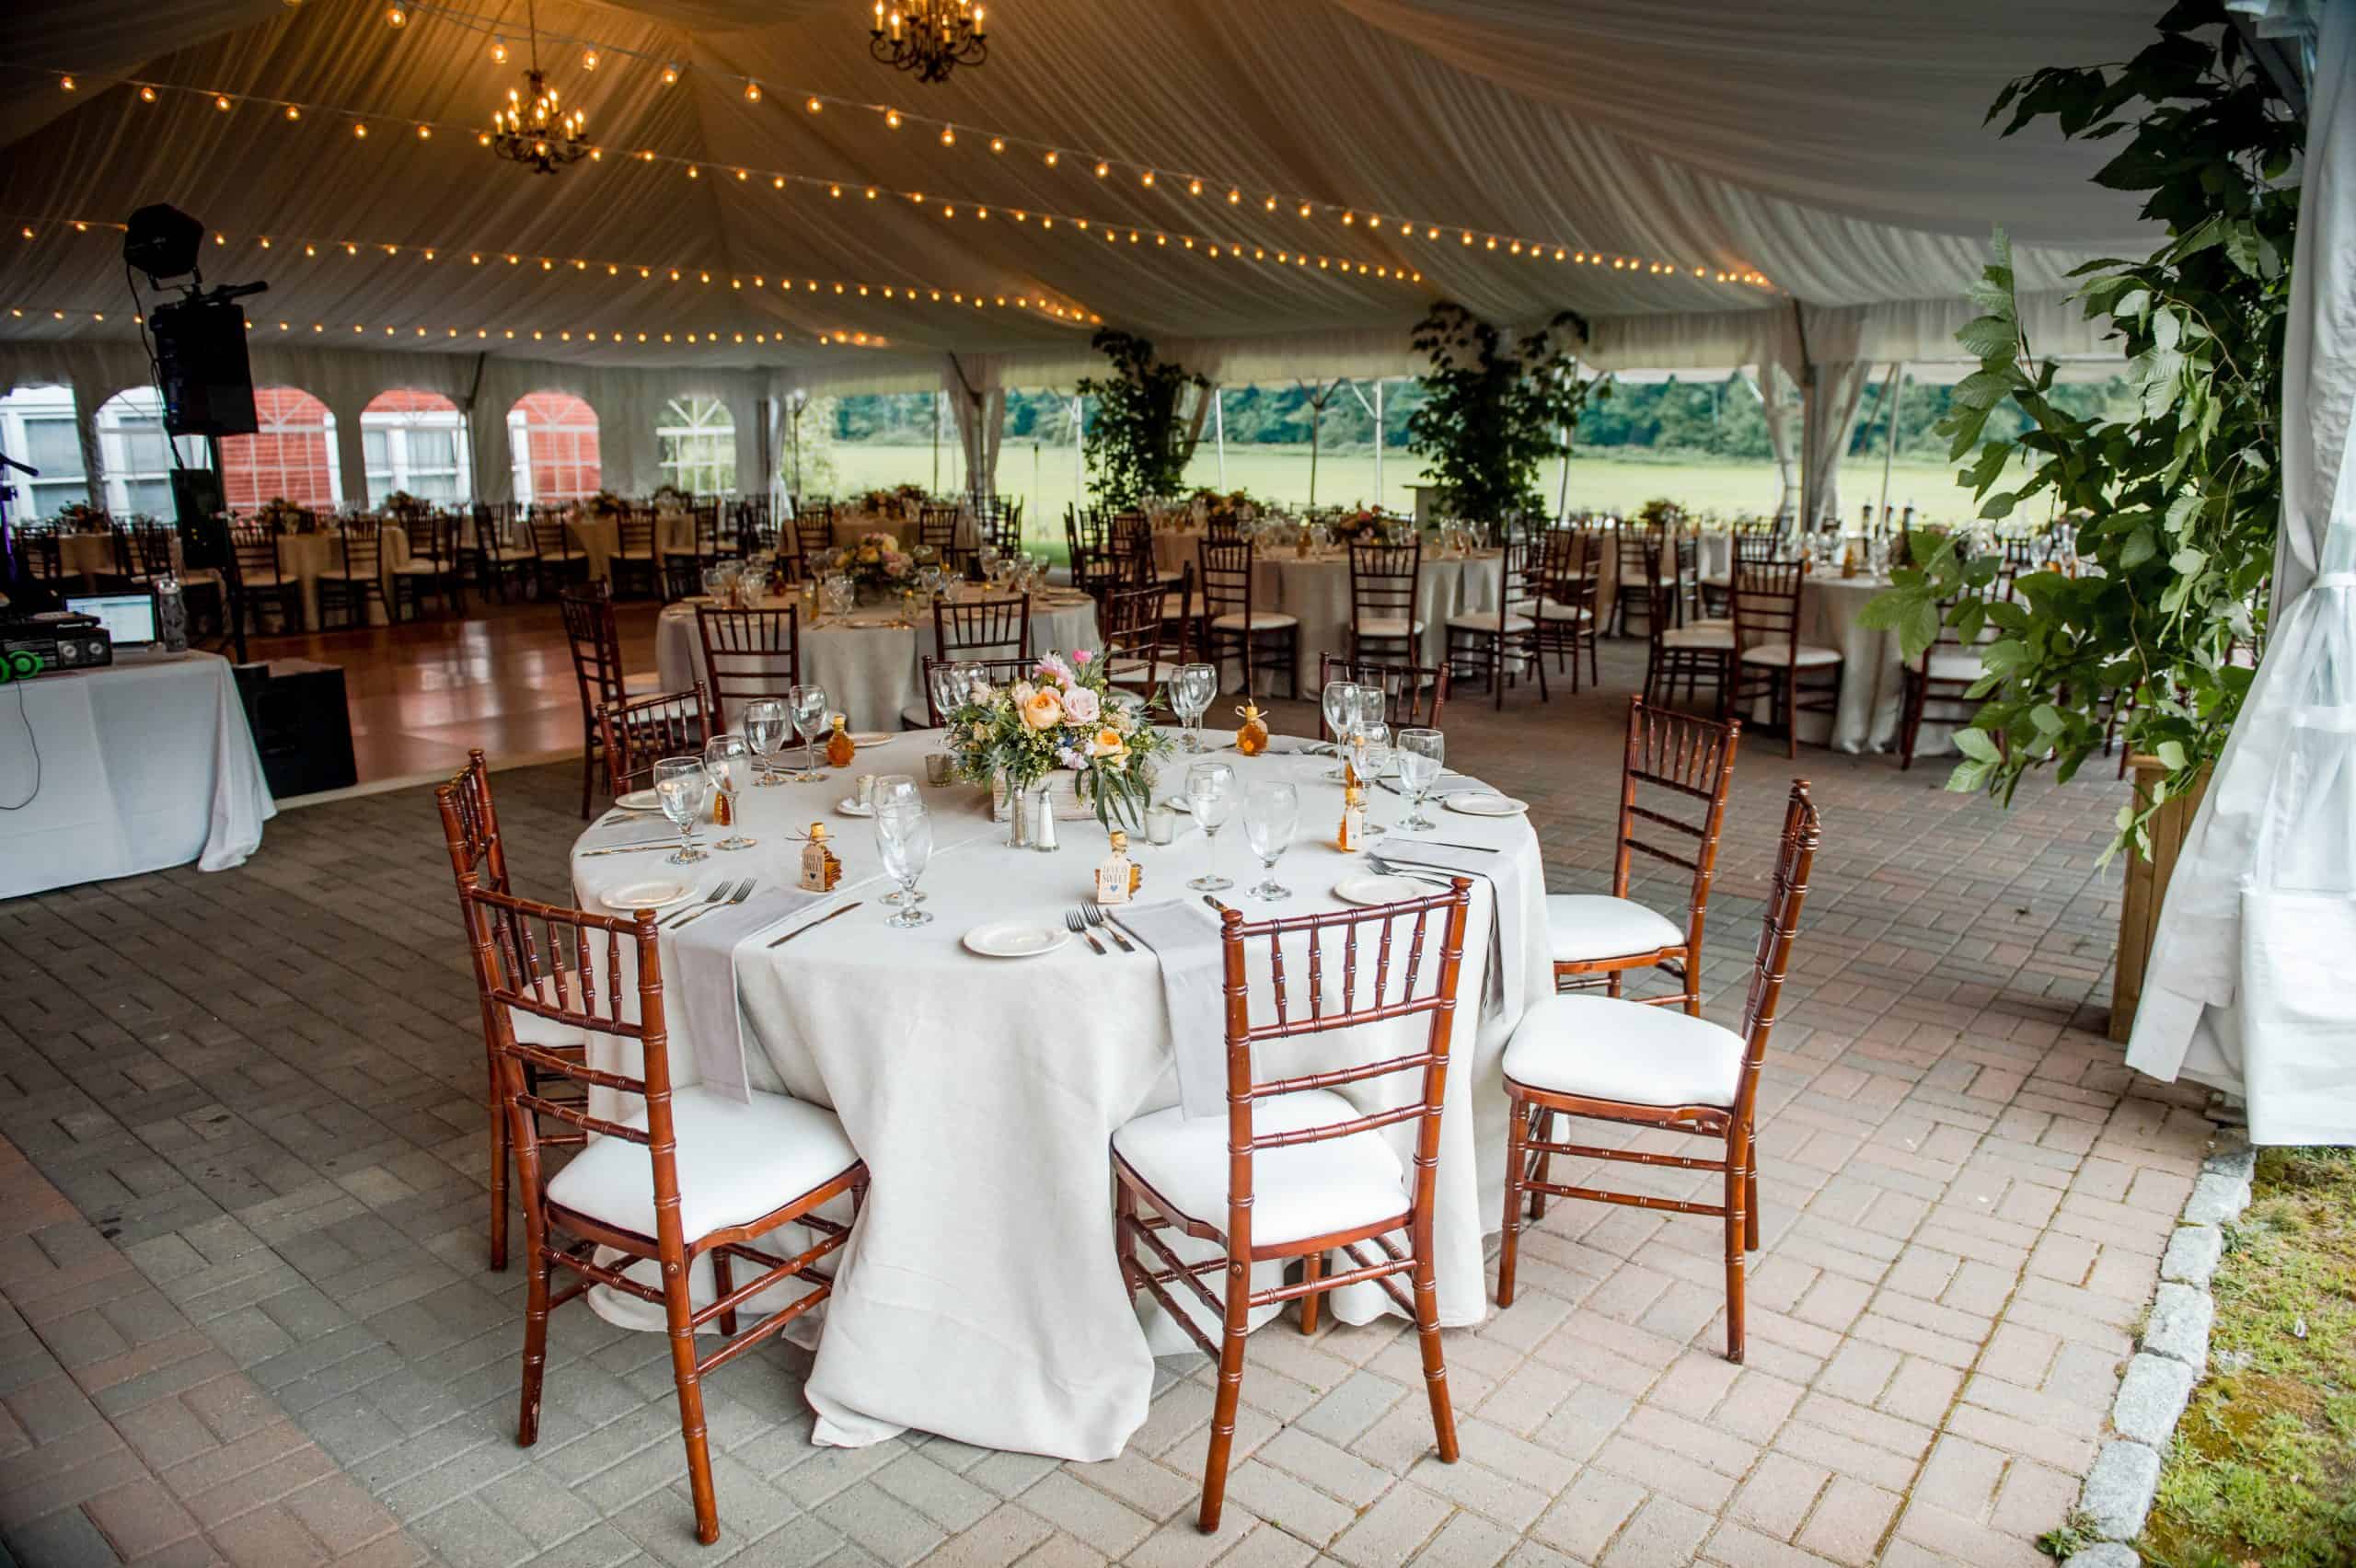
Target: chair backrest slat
(1794, 860)
(1675, 757)
(640, 731)
(749, 654)
(993, 625)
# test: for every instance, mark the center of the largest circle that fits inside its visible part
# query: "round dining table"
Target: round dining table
(978, 1297)
(1314, 590)
(600, 538)
(302, 558)
(853, 523)
(872, 661)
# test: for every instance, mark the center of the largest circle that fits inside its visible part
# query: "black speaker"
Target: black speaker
(201, 360)
(162, 242)
(301, 726)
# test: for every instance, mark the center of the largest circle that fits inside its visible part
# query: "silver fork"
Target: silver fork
(1079, 927)
(679, 916)
(1095, 917)
(735, 897)
(741, 893)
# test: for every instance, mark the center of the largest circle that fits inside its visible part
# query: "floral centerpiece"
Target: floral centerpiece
(605, 503)
(1661, 512)
(283, 516)
(1231, 508)
(400, 503)
(1365, 527)
(1065, 717)
(671, 497)
(875, 561)
(80, 518)
(879, 501)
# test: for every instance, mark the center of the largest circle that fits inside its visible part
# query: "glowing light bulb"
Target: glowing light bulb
(65, 82)
(396, 17)
(948, 137)
(1051, 158)
(752, 92)
(221, 103)
(1102, 168)
(892, 117)
(499, 51)
(360, 131)
(997, 144)
(147, 94)
(670, 75)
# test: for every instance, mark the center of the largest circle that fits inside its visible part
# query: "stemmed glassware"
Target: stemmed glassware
(1210, 795)
(765, 727)
(1191, 690)
(1369, 755)
(898, 792)
(904, 842)
(807, 707)
(1420, 754)
(729, 761)
(1340, 700)
(682, 785)
(1271, 813)
(949, 684)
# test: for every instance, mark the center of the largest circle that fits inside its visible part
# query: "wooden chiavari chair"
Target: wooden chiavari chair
(1944, 676)
(1233, 627)
(1494, 642)
(560, 563)
(814, 532)
(1096, 568)
(1674, 775)
(478, 859)
(1386, 592)
(937, 531)
(253, 549)
(1005, 532)
(1565, 606)
(998, 671)
(501, 555)
(1414, 696)
(1137, 650)
(1621, 1062)
(701, 546)
(1703, 650)
(634, 561)
(1635, 544)
(595, 642)
(1178, 612)
(1771, 659)
(1295, 1169)
(350, 586)
(749, 654)
(991, 624)
(1754, 539)
(38, 544)
(694, 1175)
(436, 565)
(639, 732)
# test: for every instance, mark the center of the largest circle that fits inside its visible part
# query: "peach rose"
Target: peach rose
(1042, 709)
(1106, 746)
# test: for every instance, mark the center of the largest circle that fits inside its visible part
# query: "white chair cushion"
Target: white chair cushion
(1259, 620)
(1715, 580)
(415, 567)
(917, 716)
(1720, 638)
(1957, 664)
(531, 1028)
(1595, 925)
(679, 550)
(1307, 1189)
(1605, 1048)
(1724, 622)
(1780, 653)
(736, 1163)
(626, 554)
(342, 574)
(1388, 626)
(1486, 620)
(1556, 610)
(1136, 671)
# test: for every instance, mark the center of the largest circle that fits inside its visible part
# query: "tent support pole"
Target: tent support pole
(1079, 440)
(1893, 393)
(1218, 431)
(1374, 409)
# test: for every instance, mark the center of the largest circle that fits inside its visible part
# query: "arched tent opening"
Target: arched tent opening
(552, 445)
(696, 444)
(415, 443)
(134, 459)
(38, 429)
(291, 456)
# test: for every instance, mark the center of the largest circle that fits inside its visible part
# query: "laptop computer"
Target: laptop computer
(129, 620)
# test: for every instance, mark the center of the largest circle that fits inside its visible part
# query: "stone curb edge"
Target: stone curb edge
(2172, 1357)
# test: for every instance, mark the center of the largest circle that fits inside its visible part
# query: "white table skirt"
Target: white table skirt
(979, 1297)
(1315, 591)
(871, 670)
(302, 558)
(1873, 680)
(138, 767)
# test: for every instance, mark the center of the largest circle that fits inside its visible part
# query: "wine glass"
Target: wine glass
(765, 727)
(948, 683)
(1271, 813)
(715, 583)
(1340, 700)
(729, 761)
(1191, 691)
(904, 842)
(1210, 794)
(682, 785)
(1420, 754)
(898, 792)
(807, 705)
(1370, 754)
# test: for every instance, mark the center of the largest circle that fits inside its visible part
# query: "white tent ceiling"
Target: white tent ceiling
(1834, 146)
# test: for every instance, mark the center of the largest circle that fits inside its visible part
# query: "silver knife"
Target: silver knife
(636, 848)
(819, 922)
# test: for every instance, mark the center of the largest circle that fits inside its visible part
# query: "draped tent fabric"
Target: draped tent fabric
(1828, 419)
(2248, 988)
(1833, 145)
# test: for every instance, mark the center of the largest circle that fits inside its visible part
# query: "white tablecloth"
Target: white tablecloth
(303, 556)
(129, 768)
(873, 663)
(979, 1297)
(600, 539)
(1873, 681)
(1315, 591)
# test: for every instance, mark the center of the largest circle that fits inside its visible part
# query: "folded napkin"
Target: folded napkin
(1501, 871)
(628, 827)
(1186, 940)
(702, 965)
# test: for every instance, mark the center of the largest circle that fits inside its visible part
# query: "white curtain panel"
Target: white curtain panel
(1829, 417)
(1772, 387)
(2248, 989)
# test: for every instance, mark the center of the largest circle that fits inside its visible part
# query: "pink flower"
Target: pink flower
(1055, 669)
(1083, 656)
(1081, 707)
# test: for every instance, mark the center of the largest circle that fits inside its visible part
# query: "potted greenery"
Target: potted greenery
(1135, 444)
(1493, 412)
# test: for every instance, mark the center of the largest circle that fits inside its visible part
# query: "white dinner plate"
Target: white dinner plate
(1180, 803)
(1370, 889)
(1482, 802)
(850, 807)
(639, 801)
(1016, 939)
(647, 895)
(873, 737)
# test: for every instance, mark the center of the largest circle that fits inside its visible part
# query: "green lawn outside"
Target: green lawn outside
(1043, 476)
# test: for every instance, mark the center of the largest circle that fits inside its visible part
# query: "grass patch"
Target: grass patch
(2263, 1468)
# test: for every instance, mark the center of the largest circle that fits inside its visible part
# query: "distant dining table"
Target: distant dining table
(1314, 589)
(600, 538)
(871, 661)
(978, 1297)
(302, 558)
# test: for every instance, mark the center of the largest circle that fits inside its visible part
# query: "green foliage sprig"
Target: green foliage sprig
(1134, 445)
(1489, 416)
(2174, 506)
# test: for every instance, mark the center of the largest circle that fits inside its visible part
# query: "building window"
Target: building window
(133, 459)
(552, 445)
(415, 443)
(290, 458)
(697, 445)
(37, 427)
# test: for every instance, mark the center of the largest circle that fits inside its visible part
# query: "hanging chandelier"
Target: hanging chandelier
(533, 128)
(930, 38)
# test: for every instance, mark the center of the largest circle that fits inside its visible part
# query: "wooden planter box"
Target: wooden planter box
(2147, 889)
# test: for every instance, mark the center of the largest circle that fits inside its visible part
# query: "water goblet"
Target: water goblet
(1420, 754)
(766, 722)
(1271, 813)
(1210, 795)
(807, 705)
(898, 792)
(904, 843)
(715, 583)
(1190, 693)
(682, 786)
(1340, 701)
(1369, 755)
(729, 761)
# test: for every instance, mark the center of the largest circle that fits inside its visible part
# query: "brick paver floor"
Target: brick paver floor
(261, 1087)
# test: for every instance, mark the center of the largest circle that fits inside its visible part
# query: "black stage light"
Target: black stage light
(162, 242)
